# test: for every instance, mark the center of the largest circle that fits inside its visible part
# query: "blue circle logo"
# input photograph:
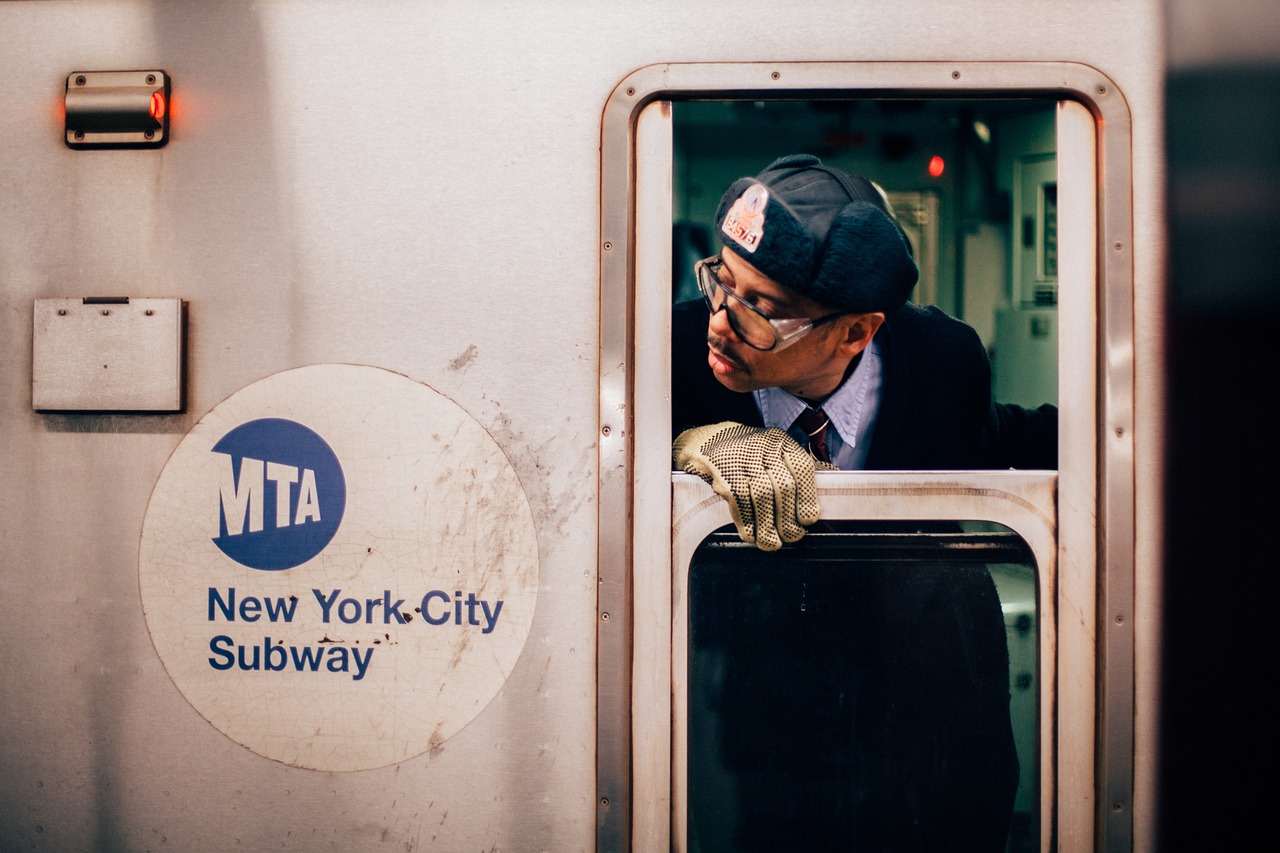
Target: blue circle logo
(281, 494)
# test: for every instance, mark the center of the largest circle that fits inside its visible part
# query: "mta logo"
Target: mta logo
(281, 494)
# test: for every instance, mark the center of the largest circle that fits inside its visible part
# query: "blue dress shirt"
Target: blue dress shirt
(852, 410)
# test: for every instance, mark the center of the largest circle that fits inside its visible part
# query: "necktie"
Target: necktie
(815, 422)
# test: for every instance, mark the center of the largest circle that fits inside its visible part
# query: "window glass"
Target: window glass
(870, 687)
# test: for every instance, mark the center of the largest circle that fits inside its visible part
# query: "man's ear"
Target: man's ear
(858, 334)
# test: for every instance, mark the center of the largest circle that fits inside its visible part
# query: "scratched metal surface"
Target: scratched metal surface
(409, 186)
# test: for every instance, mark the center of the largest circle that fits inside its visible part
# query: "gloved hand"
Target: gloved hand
(766, 477)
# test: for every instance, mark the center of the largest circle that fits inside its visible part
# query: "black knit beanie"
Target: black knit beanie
(821, 233)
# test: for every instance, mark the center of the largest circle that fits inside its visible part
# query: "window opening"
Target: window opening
(969, 225)
(643, 183)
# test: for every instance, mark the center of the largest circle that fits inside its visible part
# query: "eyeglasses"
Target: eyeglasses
(755, 328)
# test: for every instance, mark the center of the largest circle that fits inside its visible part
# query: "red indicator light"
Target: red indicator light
(936, 166)
(108, 109)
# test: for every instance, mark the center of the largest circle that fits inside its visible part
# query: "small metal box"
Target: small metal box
(117, 109)
(107, 354)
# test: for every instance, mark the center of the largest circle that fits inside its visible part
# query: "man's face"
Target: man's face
(811, 368)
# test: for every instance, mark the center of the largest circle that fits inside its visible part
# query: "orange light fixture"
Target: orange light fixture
(117, 109)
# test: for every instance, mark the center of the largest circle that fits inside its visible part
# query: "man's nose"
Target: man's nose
(719, 324)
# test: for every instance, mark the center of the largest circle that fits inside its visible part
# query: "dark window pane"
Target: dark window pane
(852, 692)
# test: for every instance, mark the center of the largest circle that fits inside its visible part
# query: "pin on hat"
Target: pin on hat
(744, 222)
(821, 233)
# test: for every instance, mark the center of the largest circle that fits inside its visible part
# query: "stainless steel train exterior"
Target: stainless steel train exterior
(437, 236)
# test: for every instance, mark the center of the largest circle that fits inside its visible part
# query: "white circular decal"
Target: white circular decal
(338, 567)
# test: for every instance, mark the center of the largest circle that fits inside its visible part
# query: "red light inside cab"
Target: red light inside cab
(157, 105)
(936, 166)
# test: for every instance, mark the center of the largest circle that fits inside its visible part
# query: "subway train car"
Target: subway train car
(338, 505)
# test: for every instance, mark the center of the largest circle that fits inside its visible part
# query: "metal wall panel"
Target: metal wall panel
(410, 186)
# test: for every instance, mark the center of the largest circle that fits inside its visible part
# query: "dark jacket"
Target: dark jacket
(936, 412)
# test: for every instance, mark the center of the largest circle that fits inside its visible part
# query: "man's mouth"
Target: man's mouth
(721, 362)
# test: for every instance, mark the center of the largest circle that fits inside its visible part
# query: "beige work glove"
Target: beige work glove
(766, 477)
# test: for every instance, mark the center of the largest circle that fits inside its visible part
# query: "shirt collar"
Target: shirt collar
(843, 407)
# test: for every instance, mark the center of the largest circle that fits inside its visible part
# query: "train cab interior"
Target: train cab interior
(974, 184)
